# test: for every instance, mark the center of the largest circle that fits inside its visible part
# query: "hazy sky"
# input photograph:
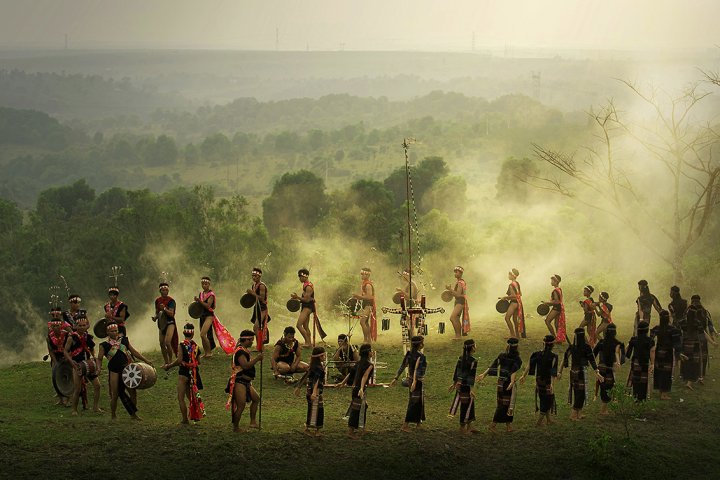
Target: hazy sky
(360, 24)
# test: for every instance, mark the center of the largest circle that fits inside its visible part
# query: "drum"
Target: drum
(247, 300)
(195, 310)
(502, 305)
(385, 324)
(100, 328)
(396, 298)
(89, 369)
(162, 321)
(139, 375)
(543, 309)
(446, 296)
(441, 327)
(354, 305)
(293, 305)
(62, 377)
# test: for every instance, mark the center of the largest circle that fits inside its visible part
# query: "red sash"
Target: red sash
(226, 341)
(521, 315)
(605, 312)
(234, 370)
(197, 407)
(562, 329)
(466, 307)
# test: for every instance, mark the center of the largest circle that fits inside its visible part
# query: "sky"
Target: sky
(433, 25)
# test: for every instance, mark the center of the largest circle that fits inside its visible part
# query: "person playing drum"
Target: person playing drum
(208, 301)
(80, 351)
(56, 338)
(307, 303)
(286, 358)
(555, 319)
(346, 357)
(116, 311)
(240, 385)
(167, 335)
(515, 316)
(260, 291)
(119, 352)
(368, 314)
(412, 297)
(189, 381)
(460, 310)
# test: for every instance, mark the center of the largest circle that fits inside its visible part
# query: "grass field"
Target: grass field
(671, 439)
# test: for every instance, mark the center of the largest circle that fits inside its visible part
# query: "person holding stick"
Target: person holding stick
(240, 388)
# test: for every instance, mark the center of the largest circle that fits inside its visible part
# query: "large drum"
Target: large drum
(543, 309)
(195, 310)
(354, 305)
(89, 369)
(247, 300)
(502, 305)
(100, 328)
(62, 377)
(139, 375)
(446, 295)
(293, 305)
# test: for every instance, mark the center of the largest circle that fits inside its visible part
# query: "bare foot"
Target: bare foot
(319, 434)
(689, 387)
(207, 356)
(472, 430)
(492, 429)
(307, 432)
(509, 429)
(352, 436)
(237, 430)
(405, 429)
(184, 422)
(253, 425)
(604, 413)
(665, 397)
(550, 422)
(135, 417)
(74, 413)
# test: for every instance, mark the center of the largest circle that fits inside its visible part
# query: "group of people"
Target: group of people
(679, 340)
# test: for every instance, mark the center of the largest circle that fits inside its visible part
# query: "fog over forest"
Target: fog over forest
(598, 164)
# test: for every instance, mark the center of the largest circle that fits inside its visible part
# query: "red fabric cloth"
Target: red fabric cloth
(562, 329)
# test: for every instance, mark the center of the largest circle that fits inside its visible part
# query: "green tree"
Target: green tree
(512, 182)
(297, 201)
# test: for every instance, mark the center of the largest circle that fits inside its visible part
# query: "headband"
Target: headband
(189, 331)
(113, 290)
(458, 269)
(590, 288)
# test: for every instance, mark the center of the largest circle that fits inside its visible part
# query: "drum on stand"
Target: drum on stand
(195, 310)
(139, 375)
(446, 296)
(247, 300)
(397, 297)
(543, 309)
(354, 305)
(100, 328)
(293, 305)
(502, 305)
(62, 377)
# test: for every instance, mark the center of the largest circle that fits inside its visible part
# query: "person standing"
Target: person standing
(358, 402)
(610, 353)
(240, 387)
(556, 317)
(515, 315)
(645, 304)
(307, 305)
(544, 366)
(119, 353)
(668, 351)
(368, 313)
(604, 311)
(641, 351)
(261, 315)
(168, 337)
(189, 381)
(463, 382)
(505, 367)
(677, 306)
(80, 352)
(589, 318)
(208, 300)
(416, 364)
(460, 316)
(578, 357)
(315, 417)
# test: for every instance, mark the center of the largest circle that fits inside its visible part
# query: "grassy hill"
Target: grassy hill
(667, 439)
